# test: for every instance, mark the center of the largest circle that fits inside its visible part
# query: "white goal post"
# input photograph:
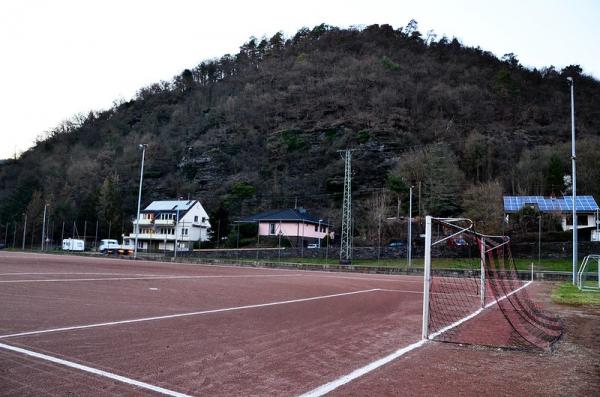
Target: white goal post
(427, 260)
(584, 272)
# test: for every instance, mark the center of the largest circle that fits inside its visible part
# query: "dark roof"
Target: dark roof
(290, 214)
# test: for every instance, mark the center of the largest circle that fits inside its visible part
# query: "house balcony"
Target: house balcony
(164, 222)
(143, 222)
(160, 237)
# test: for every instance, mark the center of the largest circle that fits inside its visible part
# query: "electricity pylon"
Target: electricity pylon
(346, 239)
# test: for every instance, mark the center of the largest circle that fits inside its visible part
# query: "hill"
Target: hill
(261, 129)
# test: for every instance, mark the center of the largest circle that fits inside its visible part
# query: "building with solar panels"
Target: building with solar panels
(586, 209)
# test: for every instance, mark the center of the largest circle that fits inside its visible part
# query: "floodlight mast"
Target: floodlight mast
(137, 220)
(573, 180)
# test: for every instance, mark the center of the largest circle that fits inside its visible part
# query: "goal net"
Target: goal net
(474, 293)
(588, 276)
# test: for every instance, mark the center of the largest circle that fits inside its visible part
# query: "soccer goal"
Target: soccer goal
(473, 293)
(588, 276)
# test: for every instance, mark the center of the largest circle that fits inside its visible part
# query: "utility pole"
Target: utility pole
(137, 219)
(573, 180)
(420, 206)
(346, 239)
(96, 236)
(84, 234)
(14, 234)
(409, 242)
(597, 228)
(24, 231)
(539, 239)
(44, 226)
(176, 227)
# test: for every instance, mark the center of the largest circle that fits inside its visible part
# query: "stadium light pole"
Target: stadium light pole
(573, 179)
(137, 219)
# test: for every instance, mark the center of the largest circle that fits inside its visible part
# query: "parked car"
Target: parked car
(312, 245)
(396, 244)
(457, 242)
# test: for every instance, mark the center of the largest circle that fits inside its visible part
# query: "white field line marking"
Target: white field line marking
(94, 371)
(391, 280)
(88, 273)
(401, 291)
(357, 373)
(59, 280)
(418, 292)
(169, 316)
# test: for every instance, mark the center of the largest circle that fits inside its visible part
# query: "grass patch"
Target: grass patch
(568, 294)
(439, 263)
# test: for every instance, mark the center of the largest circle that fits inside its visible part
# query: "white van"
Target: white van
(71, 244)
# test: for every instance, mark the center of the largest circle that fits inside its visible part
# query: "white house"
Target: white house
(163, 224)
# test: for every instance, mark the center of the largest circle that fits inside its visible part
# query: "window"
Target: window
(271, 228)
(184, 232)
(316, 228)
(196, 218)
(582, 220)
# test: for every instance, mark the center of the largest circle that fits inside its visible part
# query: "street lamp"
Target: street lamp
(573, 179)
(44, 226)
(137, 219)
(319, 232)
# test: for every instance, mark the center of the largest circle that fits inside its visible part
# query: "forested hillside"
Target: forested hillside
(260, 129)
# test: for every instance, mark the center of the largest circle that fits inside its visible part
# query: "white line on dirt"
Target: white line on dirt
(169, 316)
(59, 280)
(94, 371)
(357, 373)
(88, 273)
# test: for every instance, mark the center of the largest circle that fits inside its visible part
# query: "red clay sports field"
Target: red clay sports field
(72, 325)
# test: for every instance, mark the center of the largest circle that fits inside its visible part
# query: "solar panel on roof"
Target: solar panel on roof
(565, 203)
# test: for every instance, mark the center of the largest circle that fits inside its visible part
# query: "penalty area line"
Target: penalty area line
(92, 370)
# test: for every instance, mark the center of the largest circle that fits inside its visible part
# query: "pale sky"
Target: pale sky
(62, 57)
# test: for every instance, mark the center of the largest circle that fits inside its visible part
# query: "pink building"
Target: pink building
(296, 223)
